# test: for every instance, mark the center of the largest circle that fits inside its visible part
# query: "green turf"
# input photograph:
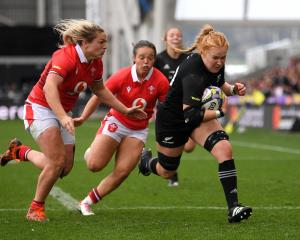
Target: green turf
(145, 208)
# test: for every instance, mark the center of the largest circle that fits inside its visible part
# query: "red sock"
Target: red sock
(24, 150)
(94, 195)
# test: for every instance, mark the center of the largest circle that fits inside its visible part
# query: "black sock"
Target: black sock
(228, 178)
(152, 165)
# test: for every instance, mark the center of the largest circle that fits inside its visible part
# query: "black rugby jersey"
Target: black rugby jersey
(189, 83)
(168, 65)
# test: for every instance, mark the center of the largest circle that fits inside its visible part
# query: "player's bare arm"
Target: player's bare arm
(52, 96)
(108, 98)
(89, 108)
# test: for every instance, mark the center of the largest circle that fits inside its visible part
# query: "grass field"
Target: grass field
(268, 165)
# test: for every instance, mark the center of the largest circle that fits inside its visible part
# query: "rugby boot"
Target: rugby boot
(12, 153)
(239, 213)
(144, 162)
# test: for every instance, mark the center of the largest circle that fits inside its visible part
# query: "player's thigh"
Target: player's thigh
(51, 144)
(70, 151)
(171, 152)
(189, 146)
(129, 153)
(102, 149)
(222, 150)
(201, 133)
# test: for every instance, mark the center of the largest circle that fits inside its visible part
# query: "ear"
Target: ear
(84, 44)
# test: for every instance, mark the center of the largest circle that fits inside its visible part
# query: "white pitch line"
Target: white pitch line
(64, 198)
(23, 209)
(164, 208)
(199, 208)
(72, 204)
(266, 147)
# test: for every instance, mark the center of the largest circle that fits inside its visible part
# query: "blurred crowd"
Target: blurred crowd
(275, 85)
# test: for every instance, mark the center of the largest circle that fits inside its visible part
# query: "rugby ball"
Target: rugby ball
(212, 98)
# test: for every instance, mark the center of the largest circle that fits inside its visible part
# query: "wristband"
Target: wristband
(219, 113)
(232, 91)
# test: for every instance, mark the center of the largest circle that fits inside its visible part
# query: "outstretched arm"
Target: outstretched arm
(109, 99)
(53, 99)
(89, 108)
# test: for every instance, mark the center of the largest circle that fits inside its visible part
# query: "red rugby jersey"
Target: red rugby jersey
(70, 63)
(131, 92)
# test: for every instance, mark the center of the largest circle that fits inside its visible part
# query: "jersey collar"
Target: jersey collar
(134, 74)
(81, 54)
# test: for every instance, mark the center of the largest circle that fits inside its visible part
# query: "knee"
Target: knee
(93, 166)
(67, 169)
(166, 174)
(57, 161)
(167, 165)
(189, 148)
(222, 151)
(92, 161)
(214, 139)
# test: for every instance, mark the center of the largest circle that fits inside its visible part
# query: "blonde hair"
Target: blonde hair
(73, 31)
(206, 39)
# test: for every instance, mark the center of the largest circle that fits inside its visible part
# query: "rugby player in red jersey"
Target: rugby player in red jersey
(47, 112)
(138, 85)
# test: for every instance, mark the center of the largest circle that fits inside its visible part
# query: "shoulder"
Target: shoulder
(192, 63)
(121, 73)
(66, 54)
(124, 70)
(160, 77)
(162, 54)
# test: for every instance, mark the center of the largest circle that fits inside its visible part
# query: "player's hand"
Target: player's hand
(68, 123)
(78, 121)
(136, 112)
(240, 89)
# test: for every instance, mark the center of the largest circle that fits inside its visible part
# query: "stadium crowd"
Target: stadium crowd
(279, 84)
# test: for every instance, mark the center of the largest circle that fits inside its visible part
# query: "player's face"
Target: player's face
(174, 38)
(96, 48)
(144, 60)
(214, 58)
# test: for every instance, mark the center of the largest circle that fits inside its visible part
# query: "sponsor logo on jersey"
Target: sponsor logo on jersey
(141, 102)
(168, 140)
(166, 66)
(79, 87)
(128, 89)
(112, 127)
(57, 67)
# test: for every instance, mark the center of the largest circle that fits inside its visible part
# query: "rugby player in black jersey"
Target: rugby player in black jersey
(181, 116)
(167, 61)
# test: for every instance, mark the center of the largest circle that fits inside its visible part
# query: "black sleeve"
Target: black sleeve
(222, 78)
(193, 87)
